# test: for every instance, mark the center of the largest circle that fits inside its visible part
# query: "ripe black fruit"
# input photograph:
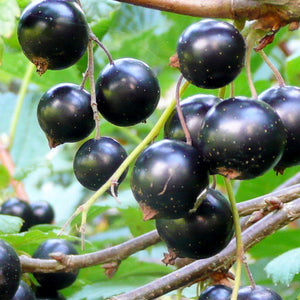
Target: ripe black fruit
(216, 292)
(242, 138)
(96, 160)
(194, 110)
(10, 270)
(18, 208)
(202, 233)
(43, 212)
(24, 292)
(127, 92)
(53, 34)
(286, 102)
(258, 293)
(167, 178)
(57, 280)
(211, 53)
(65, 114)
(42, 293)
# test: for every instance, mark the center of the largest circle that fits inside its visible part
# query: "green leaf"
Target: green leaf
(4, 177)
(9, 10)
(1, 50)
(284, 267)
(292, 68)
(10, 224)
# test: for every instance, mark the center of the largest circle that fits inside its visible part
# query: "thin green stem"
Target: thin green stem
(131, 157)
(21, 96)
(238, 236)
(221, 92)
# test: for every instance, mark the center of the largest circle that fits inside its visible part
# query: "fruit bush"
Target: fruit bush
(118, 68)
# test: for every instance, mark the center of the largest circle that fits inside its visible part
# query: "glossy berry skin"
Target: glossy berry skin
(18, 208)
(53, 34)
(24, 292)
(43, 212)
(259, 293)
(242, 138)
(216, 292)
(127, 92)
(57, 280)
(194, 109)
(286, 102)
(48, 294)
(211, 53)
(202, 233)
(65, 114)
(10, 270)
(96, 161)
(167, 178)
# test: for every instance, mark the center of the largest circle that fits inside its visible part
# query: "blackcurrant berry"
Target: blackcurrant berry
(202, 233)
(65, 114)
(257, 293)
(194, 109)
(18, 208)
(216, 292)
(42, 293)
(43, 212)
(167, 178)
(53, 34)
(57, 280)
(96, 161)
(24, 292)
(211, 53)
(242, 138)
(10, 270)
(286, 102)
(127, 92)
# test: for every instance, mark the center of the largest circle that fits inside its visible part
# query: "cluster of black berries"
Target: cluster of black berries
(12, 287)
(239, 137)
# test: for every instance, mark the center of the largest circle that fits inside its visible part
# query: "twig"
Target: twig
(200, 270)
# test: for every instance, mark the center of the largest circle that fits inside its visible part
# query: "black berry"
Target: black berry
(216, 292)
(65, 114)
(286, 102)
(42, 293)
(167, 178)
(53, 34)
(127, 92)
(242, 138)
(10, 271)
(194, 110)
(24, 292)
(43, 212)
(19, 208)
(202, 233)
(57, 280)
(211, 53)
(96, 160)
(257, 293)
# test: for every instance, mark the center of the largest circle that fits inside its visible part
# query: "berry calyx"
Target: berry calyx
(167, 178)
(242, 138)
(57, 280)
(194, 109)
(53, 34)
(65, 114)
(202, 233)
(18, 208)
(285, 101)
(96, 161)
(211, 53)
(127, 92)
(10, 270)
(257, 293)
